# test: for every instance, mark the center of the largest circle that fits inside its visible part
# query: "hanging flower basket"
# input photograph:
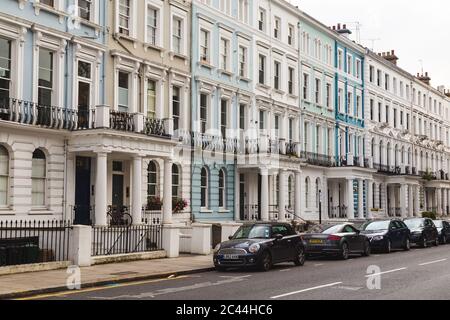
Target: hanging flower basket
(178, 205)
(154, 203)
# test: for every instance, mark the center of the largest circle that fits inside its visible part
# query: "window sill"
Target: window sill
(222, 210)
(154, 47)
(239, 78)
(330, 109)
(204, 210)
(38, 7)
(293, 96)
(280, 92)
(225, 72)
(119, 36)
(181, 56)
(40, 212)
(91, 24)
(262, 86)
(6, 211)
(205, 64)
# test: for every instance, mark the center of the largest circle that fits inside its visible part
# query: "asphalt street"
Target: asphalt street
(417, 274)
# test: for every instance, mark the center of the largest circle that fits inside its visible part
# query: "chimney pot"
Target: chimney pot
(344, 26)
(339, 26)
(393, 52)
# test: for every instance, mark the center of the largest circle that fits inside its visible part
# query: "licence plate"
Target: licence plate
(315, 241)
(231, 257)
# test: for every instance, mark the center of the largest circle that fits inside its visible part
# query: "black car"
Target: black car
(423, 231)
(260, 245)
(336, 239)
(443, 228)
(387, 235)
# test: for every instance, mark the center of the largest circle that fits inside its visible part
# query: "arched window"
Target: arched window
(176, 181)
(374, 191)
(204, 188)
(291, 192)
(222, 189)
(38, 178)
(318, 191)
(4, 176)
(380, 196)
(373, 148)
(388, 155)
(307, 193)
(381, 152)
(152, 180)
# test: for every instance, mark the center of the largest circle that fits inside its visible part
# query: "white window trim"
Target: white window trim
(159, 7)
(58, 47)
(133, 19)
(122, 64)
(95, 12)
(176, 13)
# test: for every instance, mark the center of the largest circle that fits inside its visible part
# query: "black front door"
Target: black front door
(242, 197)
(117, 190)
(83, 191)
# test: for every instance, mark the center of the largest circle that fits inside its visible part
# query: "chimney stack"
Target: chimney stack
(424, 78)
(447, 93)
(390, 56)
(343, 31)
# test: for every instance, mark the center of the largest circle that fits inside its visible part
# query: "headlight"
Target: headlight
(254, 248)
(217, 248)
(378, 238)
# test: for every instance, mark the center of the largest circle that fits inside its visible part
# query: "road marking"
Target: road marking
(349, 288)
(285, 270)
(318, 264)
(432, 262)
(107, 287)
(306, 290)
(385, 272)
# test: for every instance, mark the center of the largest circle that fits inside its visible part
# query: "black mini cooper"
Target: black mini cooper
(260, 245)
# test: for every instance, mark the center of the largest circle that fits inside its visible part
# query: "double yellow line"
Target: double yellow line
(107, 287)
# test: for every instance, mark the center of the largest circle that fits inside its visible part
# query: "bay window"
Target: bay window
(4, 176)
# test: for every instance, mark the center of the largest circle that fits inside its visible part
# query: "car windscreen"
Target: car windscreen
(438, 224)
(376, 225)
(253, 232)
(414, 224)
(326, 229)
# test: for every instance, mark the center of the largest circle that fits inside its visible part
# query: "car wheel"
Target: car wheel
(300, 258)
(366, 252)
(345, 251)
(436, 242)
(407, 245)
(424, 242)
(388, 248)
(266, 262)
(444, 239)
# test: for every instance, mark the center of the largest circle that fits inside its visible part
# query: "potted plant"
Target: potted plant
(178, 205)
(154, 203)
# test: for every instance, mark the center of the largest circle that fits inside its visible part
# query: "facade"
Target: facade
(222, 75)
(52, 72)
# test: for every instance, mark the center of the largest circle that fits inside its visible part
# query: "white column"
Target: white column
(237, 186)
(167, 197)
(369, 199)
(264, 194)
(298, 194)
(282, 197)
(392, 202)
(411, 195)
(439, 201)
(403, 200)
(360, 198)
(350, 200)
(101, 182)
(416, 201)
(444, 201)
(136, 193)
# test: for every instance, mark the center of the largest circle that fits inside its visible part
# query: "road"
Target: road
(417, 274)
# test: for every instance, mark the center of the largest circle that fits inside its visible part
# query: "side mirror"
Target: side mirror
(278, 237)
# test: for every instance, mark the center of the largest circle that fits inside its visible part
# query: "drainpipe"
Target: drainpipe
(66, 142)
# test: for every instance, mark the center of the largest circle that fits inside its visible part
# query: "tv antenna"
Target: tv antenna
(357, 28)
(372, 41)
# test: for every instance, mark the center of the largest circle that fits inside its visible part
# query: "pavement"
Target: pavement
(418, 274)
(46, 282)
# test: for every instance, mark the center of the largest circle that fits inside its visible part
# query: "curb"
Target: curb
(30, 293)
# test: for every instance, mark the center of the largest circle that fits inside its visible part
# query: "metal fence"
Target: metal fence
(27, 242)
(126, 239)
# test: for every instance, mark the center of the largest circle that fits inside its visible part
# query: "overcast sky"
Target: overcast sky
(415, 29)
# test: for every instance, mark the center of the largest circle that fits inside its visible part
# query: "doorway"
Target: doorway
(83, 191)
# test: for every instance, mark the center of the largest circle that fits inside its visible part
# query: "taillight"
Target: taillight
(334, 238)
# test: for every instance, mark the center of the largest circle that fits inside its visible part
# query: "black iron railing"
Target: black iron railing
(27, 242)
(128, 239)
(317, 159)
(338, 212)
(154, 127)
(121, 121)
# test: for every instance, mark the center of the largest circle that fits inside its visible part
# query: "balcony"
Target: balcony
(57, 118)
(386, 169)
(317, 159)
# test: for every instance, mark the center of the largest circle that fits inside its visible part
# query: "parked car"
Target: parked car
(260, 245)
(387, 235)
(443, 228)
(423, 231)
(341, 240)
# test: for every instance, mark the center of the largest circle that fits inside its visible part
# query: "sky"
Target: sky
(418, 30)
